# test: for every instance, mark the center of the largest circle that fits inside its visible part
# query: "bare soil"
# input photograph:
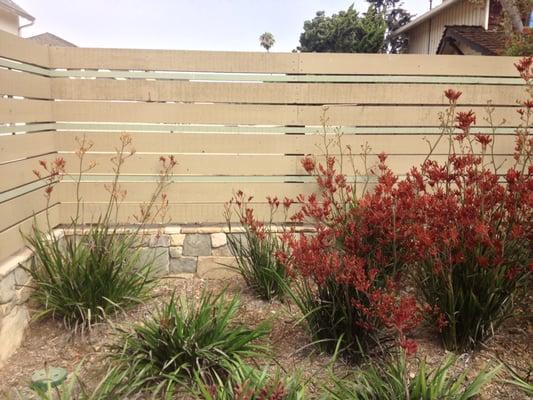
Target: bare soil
(49, 342)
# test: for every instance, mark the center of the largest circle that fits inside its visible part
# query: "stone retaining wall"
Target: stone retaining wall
(201, 251)
(14, 315)
(175, 250)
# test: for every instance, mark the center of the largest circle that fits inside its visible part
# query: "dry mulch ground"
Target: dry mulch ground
(49, 342)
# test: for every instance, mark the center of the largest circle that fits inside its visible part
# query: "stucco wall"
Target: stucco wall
(9, 22)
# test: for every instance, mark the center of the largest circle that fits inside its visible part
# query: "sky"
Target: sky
(183, 24)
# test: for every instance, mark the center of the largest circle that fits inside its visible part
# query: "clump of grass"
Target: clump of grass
(390, 380)
(257, 264)
(96, 269)
(247, 383)
(182, 341)
(83, 279)
(255, 249)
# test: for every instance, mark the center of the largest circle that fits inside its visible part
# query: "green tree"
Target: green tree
(515, 21)
(267, 40)
(345, 32)
(395, 16)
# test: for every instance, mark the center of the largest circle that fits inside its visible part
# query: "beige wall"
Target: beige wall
(425, 37)
(9, 22)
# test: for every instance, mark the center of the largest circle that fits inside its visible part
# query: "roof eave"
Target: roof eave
(417, 21)
(19, 12)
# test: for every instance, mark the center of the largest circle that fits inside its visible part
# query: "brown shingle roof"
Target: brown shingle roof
(52, 40)
(486, 42)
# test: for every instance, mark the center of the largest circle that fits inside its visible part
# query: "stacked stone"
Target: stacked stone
(14, 294)
(188, 250)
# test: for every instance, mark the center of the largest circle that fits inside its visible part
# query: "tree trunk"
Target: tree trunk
(514, 14)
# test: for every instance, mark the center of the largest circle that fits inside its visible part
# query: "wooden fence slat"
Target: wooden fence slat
(180, 213)
(247, 165)
(185, 192)
(11, 240)
(15, 210)
(16, 83)
(277, 93)
(305, 63)
(19, 173)
(259, 114)
(410, 64)
(24, 50)
(172, 60)
(169, 143)
(15, 110)
(20, 146)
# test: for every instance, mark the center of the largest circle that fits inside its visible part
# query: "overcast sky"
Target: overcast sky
(183, 24)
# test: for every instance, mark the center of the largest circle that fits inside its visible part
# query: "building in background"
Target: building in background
(457, 27)
(51, 40)
(13, 18)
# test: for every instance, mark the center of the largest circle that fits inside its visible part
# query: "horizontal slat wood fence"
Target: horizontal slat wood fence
(233, 120)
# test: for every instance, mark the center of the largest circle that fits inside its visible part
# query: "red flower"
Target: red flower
(287, 202)
(452, 95)
(465, 120)
(484, 140)
(309, 164)
(409, 345)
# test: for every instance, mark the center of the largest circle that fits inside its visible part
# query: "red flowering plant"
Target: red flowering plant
(95, 269)
(473, 228)
(255, 245)
(347, 271)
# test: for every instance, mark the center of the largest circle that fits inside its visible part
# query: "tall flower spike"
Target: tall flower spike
(452, 95)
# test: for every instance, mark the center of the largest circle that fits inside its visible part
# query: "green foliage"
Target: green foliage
(257, 263)
(97, 270)
(520, 44)
(345, 32)
(251, 384)
(389, 380)
(181, 341)
(84, 278)
(396, 17)
(473, 300)
(332, 319)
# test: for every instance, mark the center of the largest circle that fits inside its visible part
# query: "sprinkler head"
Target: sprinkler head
(47, 378)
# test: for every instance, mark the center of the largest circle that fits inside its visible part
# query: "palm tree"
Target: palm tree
(267, 40)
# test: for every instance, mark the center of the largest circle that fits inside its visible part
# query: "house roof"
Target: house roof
(14, 8)
(476, 37)
(52, 40)
(418, 20)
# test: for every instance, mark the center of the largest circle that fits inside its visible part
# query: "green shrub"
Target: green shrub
(251, 384)
(472, 227)
(255, 250)
(257, 264)
(82, 279)
(330, 317)
(520, 44)
(390, 380)
(181, 341)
